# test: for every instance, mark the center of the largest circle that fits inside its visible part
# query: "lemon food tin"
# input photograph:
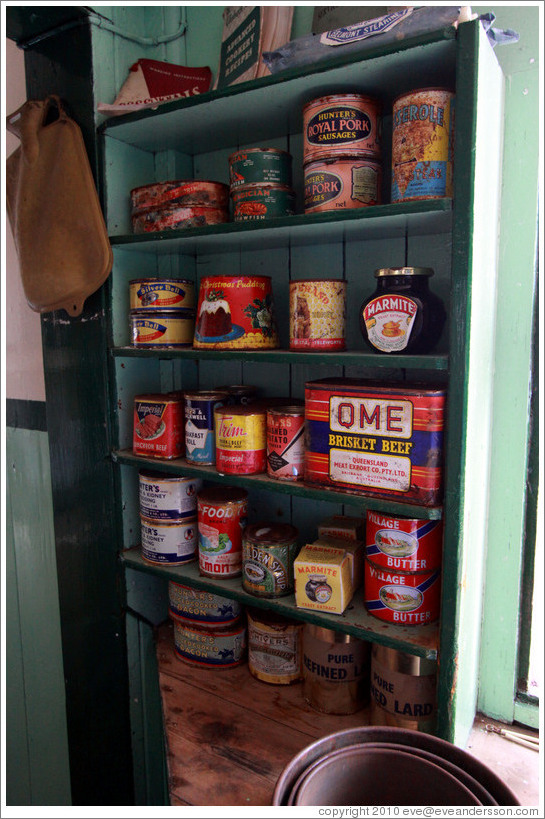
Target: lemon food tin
(162, 328)
(222, 517)
(241, 439)
(342, 183)
(161, 294)
(259, 166)
(268, 552)
(341, 125)
(317, 314)
(274, 648)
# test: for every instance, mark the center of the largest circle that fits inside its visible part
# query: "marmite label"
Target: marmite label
(389, 321)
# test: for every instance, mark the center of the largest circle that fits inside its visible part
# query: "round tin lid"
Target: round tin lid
(288, 409)
(222, 494)
(271, 534)
(207, 395)
(404, 271)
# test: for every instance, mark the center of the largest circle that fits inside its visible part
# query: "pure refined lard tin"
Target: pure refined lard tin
(161, 294)
(162, 328)
(342, 183)
(403, 544)
(335, 670)
(317, 314)
(172, 543)
(341, 125)
(403, 690)
(174, 217)
(167, 498)
(158, 423)
(201, 608)
(403, 598)
(241, 439)
(286, 442)
(259, 166)
(274, 647)
(268, 552)
(255, 202)
(200, 436)
(222, 516)
(180, 192)
(382, 440)
(210, 648)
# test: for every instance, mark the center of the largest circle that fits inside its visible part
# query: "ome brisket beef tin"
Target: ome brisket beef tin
(380, 440)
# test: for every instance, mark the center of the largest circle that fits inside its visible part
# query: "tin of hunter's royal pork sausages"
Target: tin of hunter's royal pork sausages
(222, 516)
(161, 294)
(180, 192)
(385, 441)
(341, 125)
(241, 439)
(403, 598)
(259, 166)
(317, 314)
(342, 183)
(403, 544)
(158, 425)
(286, 442)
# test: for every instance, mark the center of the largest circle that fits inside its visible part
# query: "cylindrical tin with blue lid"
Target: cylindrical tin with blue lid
(200, 438)
(168, 498)
(201, 608)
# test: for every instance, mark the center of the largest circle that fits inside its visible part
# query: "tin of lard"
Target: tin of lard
(403, 690)
(175, 217)
(403, 544)
(201, 608)
(162, 328)
(403, 598)
(241, 445)
(200, 436)
(423, 145)
(341, 125)
(235, 312)
(317, 314)
(286, 442)
(161, 294)
(335, 670)
(342, 183)
(172, 543)
(222, 516)
(167, 498)
(158, 426)
(259, 166)
(255, 202)
(268, 552)
(385, 441)
(274, 648)
(180, 192)
(210, 648)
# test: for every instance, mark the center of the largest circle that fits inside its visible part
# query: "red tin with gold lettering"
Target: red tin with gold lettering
(403, 544)
(403, 598)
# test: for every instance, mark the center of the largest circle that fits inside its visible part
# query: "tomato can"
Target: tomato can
(341, 125)
(158, 425)
(423, 145)
(342, 183)
(180, 192)
(167, 498)
(403, 690)
(201, 608)
(268, 552)
(403, 544)
(403, 598)
(286, 443)
(335, 670)
(235, 312)
(259, 166)
(175, 217)
(162, 328)
(172, 543)
(222, 516)
(161, 294)
(200, 436)
(210, 648)
(317, 314)
(241, 439)
(255, 202)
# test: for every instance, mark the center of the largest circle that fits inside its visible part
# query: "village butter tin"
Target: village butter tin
(317, 314)
(260, 166)
(158, 422)
(274, 648)
(180, 192)
(381, 440)
(286, 443)
(169, 543)
(167, 498)
(241, 442)
(402, 598)
(210, 648)
(253, 203)
(268, 552)
(341, 125)
(235, 312)
(162, 328)
(176, 217)
(403, 690)
(335, 670)
(342, 183)
(201, 608)
(222, 514)
(200, 436)
(161, 294)
(403, 544)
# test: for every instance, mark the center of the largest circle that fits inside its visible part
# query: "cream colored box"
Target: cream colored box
(343, 526)
(323, 579)
(355, 550)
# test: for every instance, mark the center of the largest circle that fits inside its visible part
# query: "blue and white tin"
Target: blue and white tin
(200, 438)
(196, 607)
(168, 498)
(169, 543)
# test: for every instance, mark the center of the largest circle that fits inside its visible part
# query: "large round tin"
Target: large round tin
(335, 670)
(403, 689)
(172, 543)
(222, 516)
(241, 439)
(317, 314)
(161, 294)
(176, 217)
(403, 544)
(201, 608)
(268, 552)
(210, 648)
(341, 125)
(235, 312)
(274, 648)
(342, 183)
(167, 498)
(252, 203)
(286, 443)
(158, 421)
(200, 436)
(422, 145)
(402, 598)
(259, 166)
(180, 192)
(162, 328)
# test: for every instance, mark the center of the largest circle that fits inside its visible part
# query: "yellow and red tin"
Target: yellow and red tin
(342, 183)
(259, 166)
(167, 498)
(317, 314)
(176, 217)
(171, 543)
(241, 439)
(341, 125)
(286, 443)
(403, 544)
(268, 552)
(222, 514)
(162, 328)
(252, 203)
(403, 598)
(381, 440)
(201, 608)
(180, 192)
(235, 312)
(158, 429)
(274, 648)
(210, 648)
(161, 294)
(423, 145)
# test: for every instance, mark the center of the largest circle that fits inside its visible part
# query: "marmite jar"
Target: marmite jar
(402, 315)
(318, 589)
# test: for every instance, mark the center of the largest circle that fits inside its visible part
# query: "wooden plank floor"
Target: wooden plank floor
(229, 735)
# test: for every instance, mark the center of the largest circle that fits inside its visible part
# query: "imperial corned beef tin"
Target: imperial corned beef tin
(341, 125)
(210, 648)
(222, 516)
(180, 192)
(175, 217)
(252, 203)
(161, 294)
(162, 328)
(201, 608)
(241, 439)
(259, 166)
(381, 440)
(158, 425)
(403, 544)
(403, 598)
(342, 183)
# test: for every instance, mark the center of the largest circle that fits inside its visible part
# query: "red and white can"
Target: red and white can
(175, 217)
(402, 598)
(222, 514)
(342, 183)
(158, 428)
(180, 192)
(241, 445)
(286, 443)
(341, 125)
(403, 544)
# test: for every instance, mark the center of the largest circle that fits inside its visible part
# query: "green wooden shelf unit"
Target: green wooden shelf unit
(194, 138)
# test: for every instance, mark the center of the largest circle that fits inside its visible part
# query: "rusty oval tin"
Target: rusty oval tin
(169, 543)
(210, 648)
(274, 647)
(402, 598)
(222, 517)
(286, 442)
(341, 125)
(423, 145)
(403, 690)
(162, 328)
(260, 166)
(317, 314)
(241, 439)
(240, 393)
(180, 192)
(268, 552)
(342, 183)
(252, 203)
(403, 544)
(158, 420)
(235, 312)
(202, 608)
(161, 294)
(167, 498)
(177, 217)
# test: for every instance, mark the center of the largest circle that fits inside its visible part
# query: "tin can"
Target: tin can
(341, 125)
(286, 443)
(235, 312)
(255, 202)
(274, 648)
(317, 314)
(222, 516)
(200, 436)
(180, 192)
(171, 543)
(336, 669)
(268, 552)
(260, 166)
(423, 145)
(167, 498)
(403, 690)
(342, 183)
(403, 544)
(201, 608)
(241, 439)
(210, 648)
(402, 598)
(385, 441)
(158, 426)
(162, 328)
(161, 294)
(176, 217)
(239, 393)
